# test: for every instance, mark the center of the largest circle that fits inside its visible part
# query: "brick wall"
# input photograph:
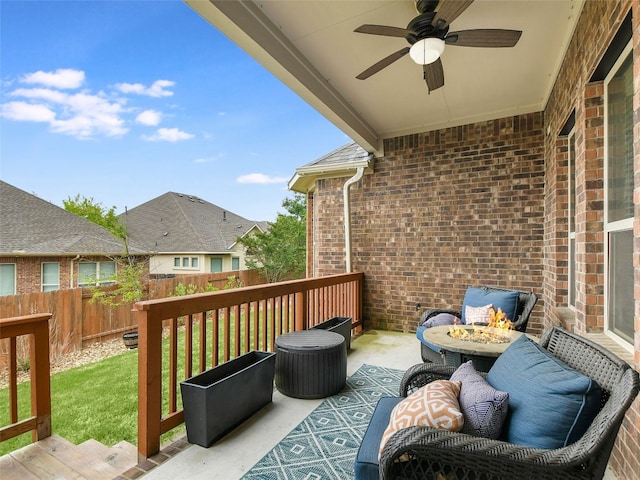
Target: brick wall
(445, 209)
(574, 92)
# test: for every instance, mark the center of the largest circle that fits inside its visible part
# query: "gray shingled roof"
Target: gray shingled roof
(32, 226)
(181, 223)
(343, 156)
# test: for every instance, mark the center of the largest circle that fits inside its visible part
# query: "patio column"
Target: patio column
(590, 253)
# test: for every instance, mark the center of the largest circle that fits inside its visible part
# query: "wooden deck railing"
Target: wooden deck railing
(219, 326)
(39, 423)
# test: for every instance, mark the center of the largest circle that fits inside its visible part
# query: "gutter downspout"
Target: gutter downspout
(71, 270)
(347, 215)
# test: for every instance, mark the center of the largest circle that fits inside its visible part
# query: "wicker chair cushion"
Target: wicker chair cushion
(441, 319)
(479, 297)
(484, 408)
(366, 465)
(551, 405)
(434, 405)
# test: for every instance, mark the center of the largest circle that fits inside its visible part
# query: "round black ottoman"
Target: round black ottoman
(310, 363)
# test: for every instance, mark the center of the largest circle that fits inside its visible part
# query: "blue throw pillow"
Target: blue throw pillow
(479, 297)
(551, 405)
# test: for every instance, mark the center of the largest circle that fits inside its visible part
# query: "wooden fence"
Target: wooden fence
(77, 321)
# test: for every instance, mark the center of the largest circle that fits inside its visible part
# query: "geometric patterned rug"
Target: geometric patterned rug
(324, 445)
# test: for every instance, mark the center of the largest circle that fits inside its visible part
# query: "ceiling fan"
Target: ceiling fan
(429, 32)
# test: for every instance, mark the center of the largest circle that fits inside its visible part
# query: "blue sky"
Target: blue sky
(123, 101)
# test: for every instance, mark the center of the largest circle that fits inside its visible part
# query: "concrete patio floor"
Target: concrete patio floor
(231, 457)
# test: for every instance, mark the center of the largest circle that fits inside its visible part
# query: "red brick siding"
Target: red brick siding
(444, 210)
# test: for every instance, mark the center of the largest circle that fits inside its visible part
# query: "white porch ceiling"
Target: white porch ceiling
(311, 47)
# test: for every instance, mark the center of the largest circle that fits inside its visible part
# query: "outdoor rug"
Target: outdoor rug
(325, 444)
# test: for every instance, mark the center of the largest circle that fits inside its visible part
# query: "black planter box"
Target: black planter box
(341, 325)
(220, 399)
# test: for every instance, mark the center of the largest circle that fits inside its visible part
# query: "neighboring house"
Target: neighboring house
(187, 234)
(43, 247)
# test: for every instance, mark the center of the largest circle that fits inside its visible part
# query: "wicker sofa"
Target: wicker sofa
(445, 455)
(526, 302)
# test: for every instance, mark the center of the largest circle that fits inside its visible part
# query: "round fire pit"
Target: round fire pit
(456, 351)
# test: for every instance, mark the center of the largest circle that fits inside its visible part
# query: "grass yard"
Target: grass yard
(98, 400)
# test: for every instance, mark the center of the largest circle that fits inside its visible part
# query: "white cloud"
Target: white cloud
(260, 178)
(48, 97)
(26, 112)
(157, 89)
(149, 117)
(168, 135)
(62, 78)
(80, 115)
(204, 160)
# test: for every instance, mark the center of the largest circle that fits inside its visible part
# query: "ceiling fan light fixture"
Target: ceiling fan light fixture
(427, 50)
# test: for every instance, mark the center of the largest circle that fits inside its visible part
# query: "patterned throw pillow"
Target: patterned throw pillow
(484, 407)
(434, 405)
(477, 314)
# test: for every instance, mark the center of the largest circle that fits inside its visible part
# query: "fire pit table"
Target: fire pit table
(456, 351)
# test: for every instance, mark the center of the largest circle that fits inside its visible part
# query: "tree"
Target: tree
(129, 273)
(94, 212)
(280, 252)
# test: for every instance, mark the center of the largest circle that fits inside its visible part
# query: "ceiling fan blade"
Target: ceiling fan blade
(434, 75)
(385, 62)
(449, 10)
(384, 30)
(484, 38)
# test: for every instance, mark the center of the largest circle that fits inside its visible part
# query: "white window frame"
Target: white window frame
(571, 227)
(15, 270)
(97, 280)
(48, 287)
(616, 226)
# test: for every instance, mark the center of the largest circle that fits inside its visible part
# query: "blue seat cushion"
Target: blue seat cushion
(551, 405)
(479, 297)
(366, 465)
(420, 330)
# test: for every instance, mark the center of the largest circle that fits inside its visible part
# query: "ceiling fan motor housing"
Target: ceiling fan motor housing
(424, 6)
(423, 27)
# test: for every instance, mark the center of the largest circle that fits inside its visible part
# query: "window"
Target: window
(235, 263)
(619, 197)
(176, 261)
(7, 278)
(216, 265)
(194, 262)
(185, 262)
(96, 273)
(572, 219)
(50, 276)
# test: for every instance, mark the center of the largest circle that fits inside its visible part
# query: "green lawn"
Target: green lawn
(98, 400)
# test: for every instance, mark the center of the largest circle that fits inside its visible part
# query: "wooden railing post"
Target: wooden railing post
(41, 380)
(149, 384)
(39, 423)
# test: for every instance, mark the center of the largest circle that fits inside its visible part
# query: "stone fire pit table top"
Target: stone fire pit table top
(439, 336)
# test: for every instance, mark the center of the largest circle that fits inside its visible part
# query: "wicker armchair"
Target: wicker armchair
(526, 302)
(441, 454)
